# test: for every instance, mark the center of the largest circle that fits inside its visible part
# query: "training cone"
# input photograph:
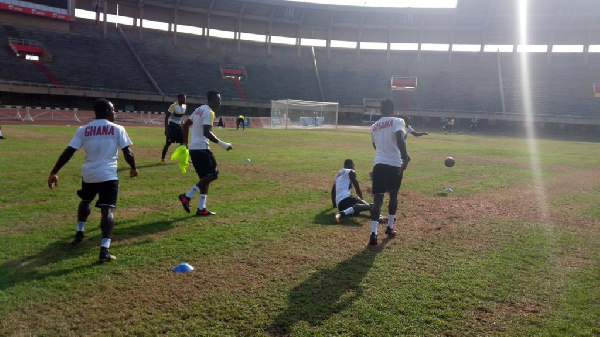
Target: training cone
(449, 190)
(183, 268)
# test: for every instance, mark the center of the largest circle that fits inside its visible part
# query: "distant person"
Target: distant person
(240, 121)
(391, 159)
(221, 124)
(341, 197)
(474, 123)
(102, 140)
(445, 125)
(173, 120)
(409, 129)
(450, 125)
(1, 137)
(205, 164)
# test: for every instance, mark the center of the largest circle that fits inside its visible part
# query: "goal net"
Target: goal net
(289, 113)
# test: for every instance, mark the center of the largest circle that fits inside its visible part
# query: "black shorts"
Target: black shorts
(107, 193)
(204, 162)
(174, 133)
(386, 178)
(347, 203)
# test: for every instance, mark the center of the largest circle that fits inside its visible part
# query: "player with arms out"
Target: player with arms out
(205, 164)
(173, 119)
(341, 198)
(102, 140)
(391, 159)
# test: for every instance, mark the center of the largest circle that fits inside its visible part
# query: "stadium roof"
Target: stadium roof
(551, 22)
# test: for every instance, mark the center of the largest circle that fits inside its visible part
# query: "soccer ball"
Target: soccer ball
(449, 162)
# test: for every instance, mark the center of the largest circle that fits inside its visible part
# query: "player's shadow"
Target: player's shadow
(326, 293)
(35, 267)
(327, 217)
(126, 168)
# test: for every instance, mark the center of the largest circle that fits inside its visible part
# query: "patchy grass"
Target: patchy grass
(482, 260)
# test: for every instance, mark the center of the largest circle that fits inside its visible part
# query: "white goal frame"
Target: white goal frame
(297, 114)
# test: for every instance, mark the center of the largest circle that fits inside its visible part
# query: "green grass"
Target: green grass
(483, 260)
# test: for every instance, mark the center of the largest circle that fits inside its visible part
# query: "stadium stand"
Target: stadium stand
(82, 58)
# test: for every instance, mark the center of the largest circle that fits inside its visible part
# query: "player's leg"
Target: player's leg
(87, 193)
(396, 182)
(164, 151)
(375, 211)
(107, 201)
(345, 208)
(209, 166)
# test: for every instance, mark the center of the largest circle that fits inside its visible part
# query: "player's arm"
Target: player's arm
(402, 146)
(354, 182)
(167, 122)
(186, 130)
(333, 193)
(211, 136)
(419, 134)
(130, 159)
(62, 160)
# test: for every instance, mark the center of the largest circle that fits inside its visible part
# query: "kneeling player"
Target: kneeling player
(340, 192)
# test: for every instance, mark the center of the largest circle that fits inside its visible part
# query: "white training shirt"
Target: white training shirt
(177, 111)
(409, 129)
(342, 185)
(383, 135)
(102, 140)
(200, 117)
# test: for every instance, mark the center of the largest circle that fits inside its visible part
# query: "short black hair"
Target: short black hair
(387, 107)
(180, 95)
(348, 163)
(212, 94)
(101, 106)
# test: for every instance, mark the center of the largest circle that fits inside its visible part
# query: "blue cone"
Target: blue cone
(449, 190)
(183, 268)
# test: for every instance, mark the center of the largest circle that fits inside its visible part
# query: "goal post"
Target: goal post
(289, 113)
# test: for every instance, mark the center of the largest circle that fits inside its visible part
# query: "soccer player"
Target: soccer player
(341, 197)
(240, 121)
(1, 137)
(391, 159)
(102, 140)
(205, 164)
(173, 120)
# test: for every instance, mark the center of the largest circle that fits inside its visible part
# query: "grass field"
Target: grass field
(483, 260)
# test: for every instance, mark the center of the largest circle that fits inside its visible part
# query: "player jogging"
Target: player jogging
(173, 119)
(102, 140)
(391, 159)
(341, 198)
(205, 164)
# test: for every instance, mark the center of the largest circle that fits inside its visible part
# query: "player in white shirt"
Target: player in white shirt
(205, 164)
(173, 121)
(341, 197)
(391, 159)
(102, 140)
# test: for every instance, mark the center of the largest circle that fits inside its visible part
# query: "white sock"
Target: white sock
(192, 191)
(105, 243)
(80, 226)
(391, 219)
(349, 211)
(202, 202)
(374, 225)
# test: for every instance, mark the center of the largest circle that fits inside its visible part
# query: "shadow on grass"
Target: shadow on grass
(126, 169)
(38, 266)
(327, 217)
(326, 292)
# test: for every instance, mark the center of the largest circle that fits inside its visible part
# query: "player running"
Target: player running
(205, 164)
(391, 160)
